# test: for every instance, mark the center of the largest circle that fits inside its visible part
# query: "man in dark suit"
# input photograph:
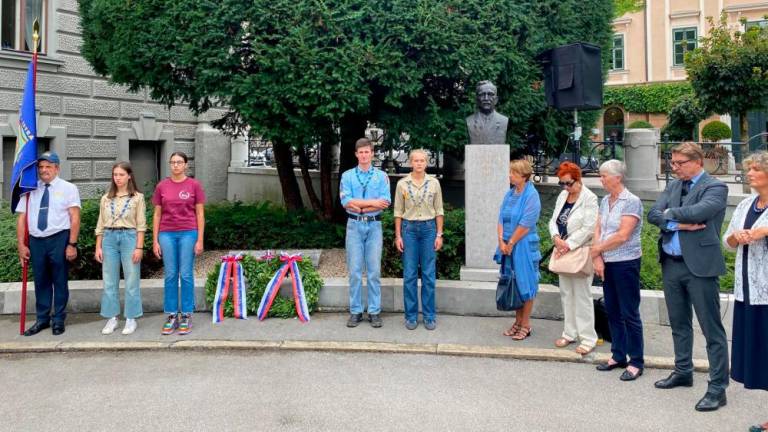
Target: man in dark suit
(690, 214)
(486, 125)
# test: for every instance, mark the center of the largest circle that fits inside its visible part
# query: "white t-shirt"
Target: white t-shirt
(61, 196)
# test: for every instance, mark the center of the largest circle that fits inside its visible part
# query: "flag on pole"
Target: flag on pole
(24, 177)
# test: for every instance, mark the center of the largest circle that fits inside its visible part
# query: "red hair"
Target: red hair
(571, 169)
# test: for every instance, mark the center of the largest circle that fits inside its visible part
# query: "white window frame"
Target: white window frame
(623, 48)
(18, 38)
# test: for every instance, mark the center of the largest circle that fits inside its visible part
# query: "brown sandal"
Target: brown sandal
(512, 330)
(563, 342)
(522, 334)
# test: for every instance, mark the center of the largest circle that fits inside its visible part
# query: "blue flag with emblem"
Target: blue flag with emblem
(24, 177)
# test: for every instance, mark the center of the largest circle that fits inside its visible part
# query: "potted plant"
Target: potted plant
(715, 155)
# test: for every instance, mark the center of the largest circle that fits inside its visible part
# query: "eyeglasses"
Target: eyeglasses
(567, 184)
(176, 163)
(679, 163)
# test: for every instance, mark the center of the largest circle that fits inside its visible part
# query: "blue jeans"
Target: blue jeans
(419, 251)
(364, 243)
(621, 291)
(178, 249)
(117, 247)
(51, 269)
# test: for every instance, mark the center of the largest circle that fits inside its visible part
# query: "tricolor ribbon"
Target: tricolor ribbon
(290, 264)
(230, 275)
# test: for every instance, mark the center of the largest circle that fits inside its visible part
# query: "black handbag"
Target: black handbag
(507, 295)
(601, 320)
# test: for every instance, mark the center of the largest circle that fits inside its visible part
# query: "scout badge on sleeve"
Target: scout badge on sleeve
(230, 274)
(290, 264)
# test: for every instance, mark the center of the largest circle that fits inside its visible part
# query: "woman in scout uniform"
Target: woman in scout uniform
(120, 240)
(419, 235)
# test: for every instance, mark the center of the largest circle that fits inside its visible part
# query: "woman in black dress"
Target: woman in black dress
(748, 234)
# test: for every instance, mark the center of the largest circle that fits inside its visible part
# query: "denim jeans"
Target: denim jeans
(117, 247)
(364, 243)
(178, 249)
(621, 291)
(419, 252)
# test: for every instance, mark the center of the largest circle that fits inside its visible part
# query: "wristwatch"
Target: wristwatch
(74, 245)
(439, 234)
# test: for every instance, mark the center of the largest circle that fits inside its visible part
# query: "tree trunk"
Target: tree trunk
(304, 164)
(327, 139)
(352, 128)
(288, 183)
(744, 133)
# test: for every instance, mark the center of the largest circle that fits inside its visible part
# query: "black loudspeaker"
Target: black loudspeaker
(573, 77)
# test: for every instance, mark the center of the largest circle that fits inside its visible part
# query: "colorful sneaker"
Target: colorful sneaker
(171, 324)
(130, 326)
(110, 326)
(185, 325)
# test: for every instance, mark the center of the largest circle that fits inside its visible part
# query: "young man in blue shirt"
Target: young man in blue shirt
(364, 194)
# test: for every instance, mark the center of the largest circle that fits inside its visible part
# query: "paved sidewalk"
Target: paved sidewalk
(455, 335)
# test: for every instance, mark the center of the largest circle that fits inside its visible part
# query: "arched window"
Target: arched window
(613, 124)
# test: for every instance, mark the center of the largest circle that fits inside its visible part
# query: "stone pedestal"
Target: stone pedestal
(641, 155)
(486, 180)
(239, 152)
(212, 158)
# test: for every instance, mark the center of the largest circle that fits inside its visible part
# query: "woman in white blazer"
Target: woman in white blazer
(572, 226)
(747, 234)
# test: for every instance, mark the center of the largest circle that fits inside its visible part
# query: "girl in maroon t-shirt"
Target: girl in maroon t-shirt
(177, 231)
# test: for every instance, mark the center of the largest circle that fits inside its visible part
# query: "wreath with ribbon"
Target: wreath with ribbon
(258, 274)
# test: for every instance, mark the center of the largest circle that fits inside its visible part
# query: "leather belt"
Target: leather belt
(363, 218)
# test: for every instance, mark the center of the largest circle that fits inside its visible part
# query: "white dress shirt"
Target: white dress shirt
(62, 195)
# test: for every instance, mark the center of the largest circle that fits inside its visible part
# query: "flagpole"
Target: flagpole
(25, 264)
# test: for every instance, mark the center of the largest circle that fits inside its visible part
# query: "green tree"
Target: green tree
(303, 72)
(622, 7)
(729, 70)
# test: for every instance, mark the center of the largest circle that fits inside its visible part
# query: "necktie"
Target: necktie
(42, 215)
(686, 189)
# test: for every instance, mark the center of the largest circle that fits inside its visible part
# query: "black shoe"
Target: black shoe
(674, 380)
(711, 401)
(375, 320)
(58, 328)
(354, 320)
(628, 376)
(36, 328)
(605, 367)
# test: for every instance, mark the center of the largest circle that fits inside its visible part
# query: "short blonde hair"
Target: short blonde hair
(690, 150)
(521, 167)
(418, 151)
(758, 160)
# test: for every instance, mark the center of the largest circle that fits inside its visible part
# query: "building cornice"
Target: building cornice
(622, 21)
(685, 14)
(746, 7)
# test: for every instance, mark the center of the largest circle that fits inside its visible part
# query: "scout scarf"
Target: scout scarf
(230, 274)
(290, 264)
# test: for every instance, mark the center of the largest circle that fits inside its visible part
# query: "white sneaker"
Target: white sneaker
(110, 326)
(130, 326)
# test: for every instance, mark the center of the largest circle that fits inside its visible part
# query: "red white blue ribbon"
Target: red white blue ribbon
(290, 265)
(230, 275)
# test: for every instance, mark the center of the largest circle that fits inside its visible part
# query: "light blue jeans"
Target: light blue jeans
(364, 243)
(117, 247)
(419, 252)
(178, 249)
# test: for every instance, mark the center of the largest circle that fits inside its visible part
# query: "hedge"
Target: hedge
(646, 98)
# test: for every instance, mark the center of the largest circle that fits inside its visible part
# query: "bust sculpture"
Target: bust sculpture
(486, 126)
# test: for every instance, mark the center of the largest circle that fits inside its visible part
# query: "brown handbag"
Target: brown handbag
(575, 262)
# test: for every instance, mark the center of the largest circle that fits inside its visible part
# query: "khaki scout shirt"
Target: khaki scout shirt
(119, 212)
(418, 202)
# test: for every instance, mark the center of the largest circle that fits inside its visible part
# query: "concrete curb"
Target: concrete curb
(477, 351)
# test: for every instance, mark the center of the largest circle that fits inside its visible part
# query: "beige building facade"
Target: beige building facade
(649, 46)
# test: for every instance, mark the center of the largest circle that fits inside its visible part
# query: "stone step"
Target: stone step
(453, 297)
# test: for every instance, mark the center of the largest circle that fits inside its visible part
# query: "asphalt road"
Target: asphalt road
(321, 391)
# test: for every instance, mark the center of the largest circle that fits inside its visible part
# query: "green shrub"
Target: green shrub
(267, 226)
(715, 131)
(257, 276)
(640, 124)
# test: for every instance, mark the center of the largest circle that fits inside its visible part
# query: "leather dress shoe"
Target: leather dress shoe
(605, 367)
(629, 376)
(58, 328)
(711, 401)
(36, 328)
(674, 380)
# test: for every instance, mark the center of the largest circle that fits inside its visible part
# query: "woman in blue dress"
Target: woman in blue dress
(519, 239)
(746, 234)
